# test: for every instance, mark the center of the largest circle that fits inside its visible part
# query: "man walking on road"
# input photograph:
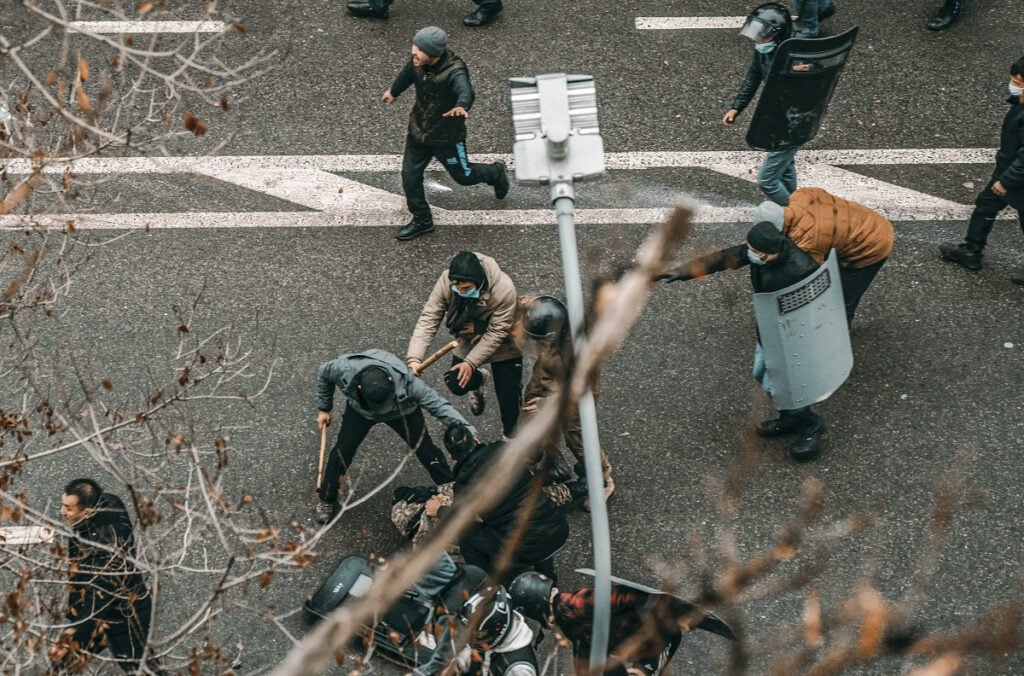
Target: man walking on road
(378, 388)
(1005, 188)
(437, 126)
(109, 605)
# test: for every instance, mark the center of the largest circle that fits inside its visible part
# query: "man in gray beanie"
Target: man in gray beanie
(437, 126)
(486, 10)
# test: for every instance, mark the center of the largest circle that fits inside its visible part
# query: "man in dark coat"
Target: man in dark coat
(543, 533)
(109, 605)
(437, 126)
(1005, 188)
(776, 262)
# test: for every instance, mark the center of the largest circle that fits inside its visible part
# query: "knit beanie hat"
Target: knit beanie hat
(431, 40)
(766, 238)
(466, 267)
(770, 211)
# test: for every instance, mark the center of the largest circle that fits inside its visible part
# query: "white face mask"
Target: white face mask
(1015, 90)
(765, 47)
(754, 258)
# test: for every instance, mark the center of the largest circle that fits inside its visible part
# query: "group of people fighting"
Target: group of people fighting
(109, 604)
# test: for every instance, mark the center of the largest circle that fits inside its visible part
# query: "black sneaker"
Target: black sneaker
(502, 185)
(961, 254)
(477, 403)
(414, 229)
(325, 511)
(810, 444)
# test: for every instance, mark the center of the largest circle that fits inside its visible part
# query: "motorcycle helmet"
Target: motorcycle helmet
(531, 595)
(492, 607)
(546, 319)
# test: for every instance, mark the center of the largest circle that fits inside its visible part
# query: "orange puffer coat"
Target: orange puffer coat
(817, 221)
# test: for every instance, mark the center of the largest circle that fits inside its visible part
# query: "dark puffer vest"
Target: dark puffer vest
(434, 98)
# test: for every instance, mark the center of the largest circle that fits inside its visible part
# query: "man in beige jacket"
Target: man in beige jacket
(476, 301)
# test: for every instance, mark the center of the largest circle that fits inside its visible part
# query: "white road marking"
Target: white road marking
(660, 23)
(308, 181)
(147, 26)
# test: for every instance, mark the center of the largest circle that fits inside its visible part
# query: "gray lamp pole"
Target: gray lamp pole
(558, 143)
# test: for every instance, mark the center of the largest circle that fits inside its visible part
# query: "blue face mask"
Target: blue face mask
(765, 47)
(1015, 90)
(754, 258)
(475, 293)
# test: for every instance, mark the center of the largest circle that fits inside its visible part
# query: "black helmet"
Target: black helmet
(531, 595)
(770, 20)
(494, 609)
(458, 441)
(546, 318)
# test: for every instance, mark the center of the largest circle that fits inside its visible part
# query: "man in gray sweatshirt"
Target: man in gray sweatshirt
(378, 388)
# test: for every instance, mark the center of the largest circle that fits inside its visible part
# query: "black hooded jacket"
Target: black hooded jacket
(1010, 158)
(104, 581)
(547, 529)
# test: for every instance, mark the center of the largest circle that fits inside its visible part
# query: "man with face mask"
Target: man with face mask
(1005, 188)
(768, 26)
(476, 300)
(775, 263)
(437, 126)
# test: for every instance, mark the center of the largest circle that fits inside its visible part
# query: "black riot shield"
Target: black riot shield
(797, 91)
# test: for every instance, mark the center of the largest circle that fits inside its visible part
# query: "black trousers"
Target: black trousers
(855, 282)
(986, 207)
(355, 427)
(126, 635)
(508, 389)
(452, 157)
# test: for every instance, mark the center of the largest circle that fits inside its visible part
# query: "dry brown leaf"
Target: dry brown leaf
(872, 631)
(83, 98)
(265, 578)
(947, 665)
(194, 124)
(144, 8)
(813, 635)
(83, 69)
(51, 78)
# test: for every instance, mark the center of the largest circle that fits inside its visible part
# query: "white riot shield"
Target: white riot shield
(805, 338)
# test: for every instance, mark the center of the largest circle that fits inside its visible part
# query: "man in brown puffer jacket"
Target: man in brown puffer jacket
(818, 221)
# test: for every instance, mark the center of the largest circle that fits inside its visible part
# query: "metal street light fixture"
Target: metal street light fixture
(557, 142)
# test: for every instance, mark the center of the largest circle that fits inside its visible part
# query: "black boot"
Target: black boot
(482, 16)
(946, 15)
(961, 254)
(414, 229)
(1018, 278)
(811, 437)
(788, 422)
(365, 9)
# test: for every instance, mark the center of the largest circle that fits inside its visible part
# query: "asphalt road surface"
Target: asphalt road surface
(935, 393)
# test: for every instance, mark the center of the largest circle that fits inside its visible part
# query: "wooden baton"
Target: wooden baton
(323, 454)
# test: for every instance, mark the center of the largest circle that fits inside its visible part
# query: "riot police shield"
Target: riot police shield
(797, 91)
(805, 339)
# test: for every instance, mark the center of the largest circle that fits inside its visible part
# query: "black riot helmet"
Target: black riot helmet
(546, 319)
(768, 21)
(491, 606)
(531, 595)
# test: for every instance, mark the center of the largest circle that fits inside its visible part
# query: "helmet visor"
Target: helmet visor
(758, 30)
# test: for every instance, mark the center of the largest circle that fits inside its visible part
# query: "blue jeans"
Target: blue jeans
(777, 177)
(807, 12)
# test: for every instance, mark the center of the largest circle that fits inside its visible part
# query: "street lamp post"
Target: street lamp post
(557, 142)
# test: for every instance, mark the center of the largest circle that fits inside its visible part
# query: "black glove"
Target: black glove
(676, 276)
(577, 489)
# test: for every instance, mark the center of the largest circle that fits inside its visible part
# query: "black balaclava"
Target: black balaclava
(465, 266)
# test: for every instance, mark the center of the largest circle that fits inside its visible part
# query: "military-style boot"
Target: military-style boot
(946, 15)
(810, 441)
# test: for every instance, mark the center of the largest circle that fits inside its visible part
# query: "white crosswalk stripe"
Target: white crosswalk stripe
(308, 181)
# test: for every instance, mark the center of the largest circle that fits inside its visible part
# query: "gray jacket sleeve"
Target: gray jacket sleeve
(325, 388)
(438, 406)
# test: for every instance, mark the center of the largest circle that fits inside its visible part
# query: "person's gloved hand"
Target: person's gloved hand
(673, 276)
(577, 489)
